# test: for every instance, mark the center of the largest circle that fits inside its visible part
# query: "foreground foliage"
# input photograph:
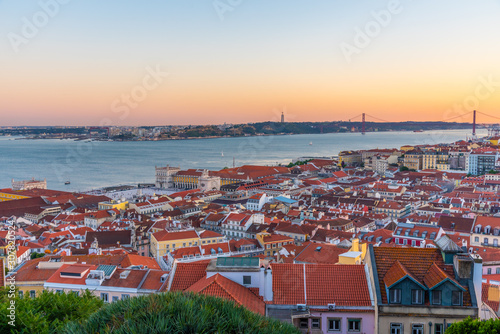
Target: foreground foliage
(475, 326)
(176, 313)
(47, 313)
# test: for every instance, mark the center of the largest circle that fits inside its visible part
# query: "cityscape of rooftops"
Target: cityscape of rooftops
(232, 166)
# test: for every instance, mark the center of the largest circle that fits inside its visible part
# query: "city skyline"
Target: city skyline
(89, 63)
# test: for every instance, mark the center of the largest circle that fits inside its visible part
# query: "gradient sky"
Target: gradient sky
(262, 58)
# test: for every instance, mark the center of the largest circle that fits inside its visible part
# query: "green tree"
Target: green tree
(177, 313)
(474, 326)
(35, 255)
(47, 313)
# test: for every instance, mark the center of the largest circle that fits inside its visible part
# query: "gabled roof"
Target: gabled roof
(416, 260)
(220, 286)
(445, 243)
(396, 273)
(435, 276)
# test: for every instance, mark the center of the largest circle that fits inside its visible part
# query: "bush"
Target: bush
(475, 326)
(176, 312)
(47, 313)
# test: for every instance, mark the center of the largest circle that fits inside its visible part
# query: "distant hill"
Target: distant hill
(275, 128)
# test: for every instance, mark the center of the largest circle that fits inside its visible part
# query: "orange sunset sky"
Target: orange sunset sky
(423, 61)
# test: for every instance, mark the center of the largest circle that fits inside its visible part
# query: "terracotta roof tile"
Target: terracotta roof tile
(344, 285)
(169, 236)
(436, 275)
(220, 286)
(490, 296)
(416, 260)
(397, 272)
(186, 274)
(320, 253)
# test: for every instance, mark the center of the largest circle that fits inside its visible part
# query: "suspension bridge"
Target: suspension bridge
(493, 129)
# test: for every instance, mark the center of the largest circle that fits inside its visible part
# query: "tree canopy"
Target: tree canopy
(474, 326)
(177, 312)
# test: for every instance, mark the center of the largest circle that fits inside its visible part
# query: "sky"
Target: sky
(160, 62)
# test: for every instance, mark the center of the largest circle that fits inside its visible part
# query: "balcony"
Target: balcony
(487, 244)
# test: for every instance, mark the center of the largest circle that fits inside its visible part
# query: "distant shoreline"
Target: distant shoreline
(79, 138)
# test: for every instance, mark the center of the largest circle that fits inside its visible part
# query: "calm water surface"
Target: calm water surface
(91, 165)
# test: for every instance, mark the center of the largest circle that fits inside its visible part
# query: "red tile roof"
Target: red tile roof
(416, 260)
(169, 236)
(74, 268)
(436, 275)
(186, 274)
(396, 273)
(153, 281)
(220, 286)
(344, 285)
(138, 260)
(210, 234)
(320, 253)
(487, 296)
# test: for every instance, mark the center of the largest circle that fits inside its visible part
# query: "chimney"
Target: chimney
(355, 245)
(268, 284)
(477, 278)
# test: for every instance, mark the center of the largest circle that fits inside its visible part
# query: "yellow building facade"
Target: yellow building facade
(113, 205)
(164, 242)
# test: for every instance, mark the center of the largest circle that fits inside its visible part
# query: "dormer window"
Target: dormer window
(487, 229)
(478, 229)
(436, 297)
(395, 296)
(456, 298)
(417, 296)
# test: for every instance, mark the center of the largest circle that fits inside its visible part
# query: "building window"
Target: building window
(304, 323)
(315, 323)
(247, 280)
(32, 293)
(334, 325)
(498, 270)
(125, 296)
(417, 296)
(396, 328)
(104, 297)
(485, 241)
(436, 297)
(438, 329)
(59, 291)
(476, 239)
(395, 296)
(456, 298)
(489, 271)
(354, 325)
(417, 329)
(114, 299)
